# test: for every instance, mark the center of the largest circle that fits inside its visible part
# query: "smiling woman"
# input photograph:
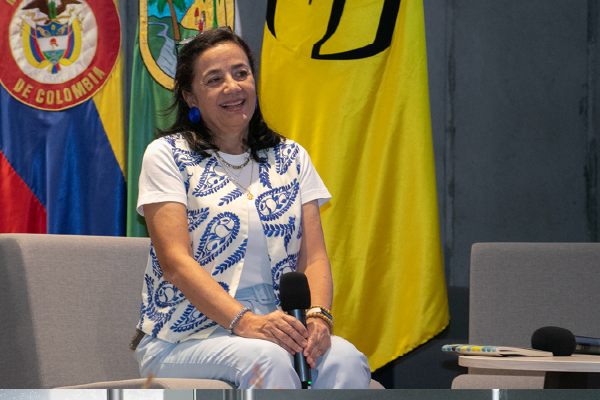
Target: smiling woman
(231, 206)
(200, 61)
(224, 91)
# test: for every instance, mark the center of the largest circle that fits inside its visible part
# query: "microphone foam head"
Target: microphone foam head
(294, 292)
(560, 341)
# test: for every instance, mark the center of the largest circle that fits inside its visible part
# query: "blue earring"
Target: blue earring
(256, 104)
(194, 115)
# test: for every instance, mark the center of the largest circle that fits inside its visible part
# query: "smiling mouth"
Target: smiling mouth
(233, 106)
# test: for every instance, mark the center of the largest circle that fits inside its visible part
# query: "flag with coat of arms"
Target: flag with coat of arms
(62, 154)
(161, 26)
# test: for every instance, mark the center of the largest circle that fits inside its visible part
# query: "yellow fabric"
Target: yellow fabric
(225, 14)
(77, 45)
(109, 103)
(366, 124)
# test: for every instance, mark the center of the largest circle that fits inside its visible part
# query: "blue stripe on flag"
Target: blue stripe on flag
(66, 159)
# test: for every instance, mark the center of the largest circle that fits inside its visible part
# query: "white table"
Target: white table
(577, 371)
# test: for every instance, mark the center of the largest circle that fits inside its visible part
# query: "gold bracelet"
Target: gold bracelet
(323, 308)
(324, 318)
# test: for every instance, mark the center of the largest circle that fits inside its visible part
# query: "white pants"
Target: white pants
(244, 362)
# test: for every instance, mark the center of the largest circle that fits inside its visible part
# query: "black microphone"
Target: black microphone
(561, 342)
(294, 295)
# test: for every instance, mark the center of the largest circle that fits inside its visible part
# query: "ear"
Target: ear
(189, 98)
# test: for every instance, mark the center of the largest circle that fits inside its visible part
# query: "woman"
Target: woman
(248, 199)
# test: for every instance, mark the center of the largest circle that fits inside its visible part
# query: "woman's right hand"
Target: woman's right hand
(276, 327)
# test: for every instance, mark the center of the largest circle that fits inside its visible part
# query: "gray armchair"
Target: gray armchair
(68, 307)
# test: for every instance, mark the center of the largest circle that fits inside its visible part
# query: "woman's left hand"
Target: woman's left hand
(319, 340)
(314, 263)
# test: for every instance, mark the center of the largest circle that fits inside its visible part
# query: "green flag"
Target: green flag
(148, 98)
(154, 63)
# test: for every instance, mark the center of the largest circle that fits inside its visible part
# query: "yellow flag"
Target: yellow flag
(348, 81)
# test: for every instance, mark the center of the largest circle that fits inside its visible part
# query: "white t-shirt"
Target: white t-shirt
(160, 181)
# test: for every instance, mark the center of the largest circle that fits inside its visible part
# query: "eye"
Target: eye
(213, 81)
(241, 74)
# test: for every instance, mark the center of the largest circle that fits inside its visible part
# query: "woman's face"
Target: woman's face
(223, 89)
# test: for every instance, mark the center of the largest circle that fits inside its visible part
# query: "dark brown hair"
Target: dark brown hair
(198, 136)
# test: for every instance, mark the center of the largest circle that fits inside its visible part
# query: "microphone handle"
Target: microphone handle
(587, 345)
(300, 364)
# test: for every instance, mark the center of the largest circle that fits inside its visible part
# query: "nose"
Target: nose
(231, 85)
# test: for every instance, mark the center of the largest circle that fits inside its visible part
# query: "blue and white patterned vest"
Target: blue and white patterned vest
(218, 224)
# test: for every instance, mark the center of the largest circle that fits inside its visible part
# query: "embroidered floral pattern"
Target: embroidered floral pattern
(219, 233)
(193, 319)
(263, 173)
(210, 182)
(167, 295)
(183, 158)
(274, 203)
(157, 317)
(196, 217)
(230, 197)
(281, 230)
(233, 259)
(284, 156)
(155, 266)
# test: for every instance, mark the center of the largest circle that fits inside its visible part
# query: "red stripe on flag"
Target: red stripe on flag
(20, 210)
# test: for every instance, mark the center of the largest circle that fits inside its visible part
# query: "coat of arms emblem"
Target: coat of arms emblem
(164, 23)
(55, 38)
(62, 50)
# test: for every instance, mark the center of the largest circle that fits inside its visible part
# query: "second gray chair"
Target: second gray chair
(516, 288)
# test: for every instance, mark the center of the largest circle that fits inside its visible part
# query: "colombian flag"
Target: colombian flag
(348, 81)
(62, 153)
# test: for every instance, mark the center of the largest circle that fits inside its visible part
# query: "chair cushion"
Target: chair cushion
(162, 383)
(73, 303)
(157, 383)
(477, 381)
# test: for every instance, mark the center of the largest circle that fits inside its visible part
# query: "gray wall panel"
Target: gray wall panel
(435, 25)
(520, 139)
(252, 15)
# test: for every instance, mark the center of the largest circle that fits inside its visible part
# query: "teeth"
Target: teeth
(233, 104)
